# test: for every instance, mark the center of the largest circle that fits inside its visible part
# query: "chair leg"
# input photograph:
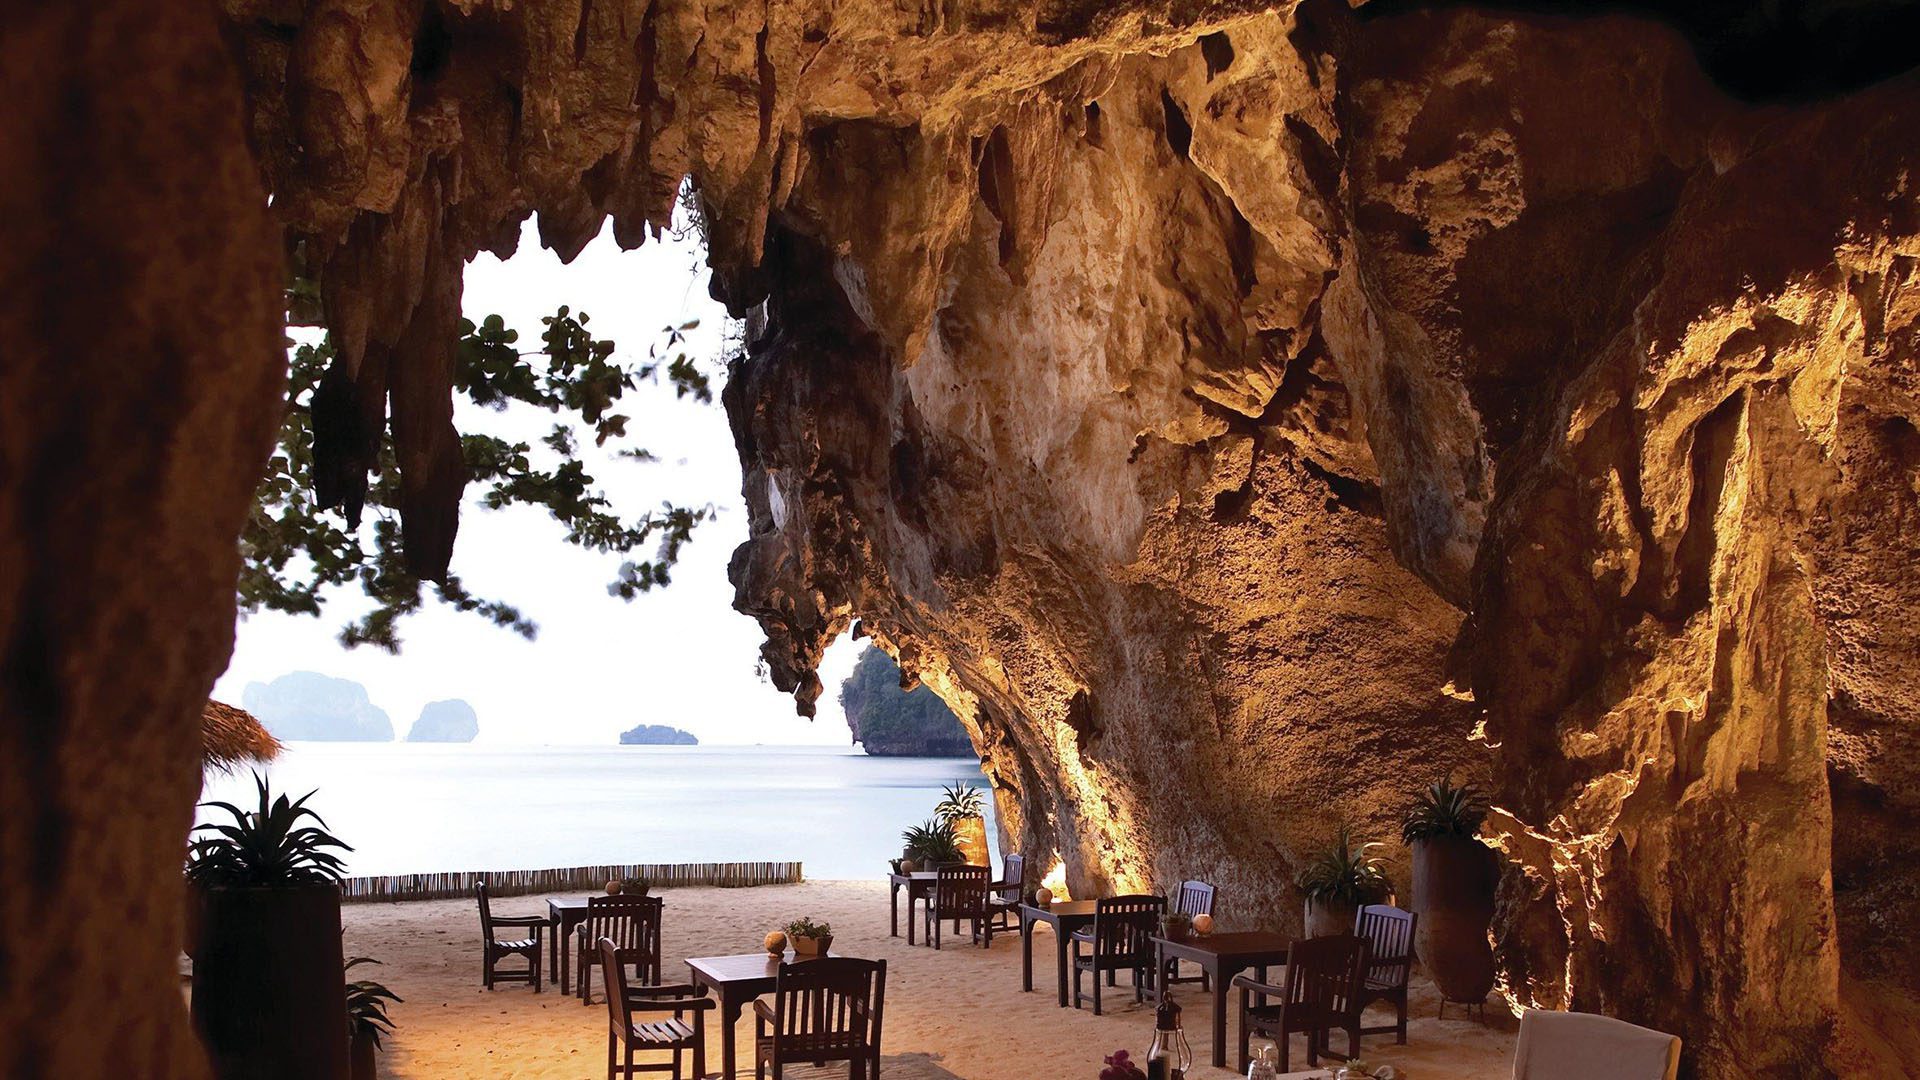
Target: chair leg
(610, 1048)
(535, 958)
(1096, 989)
(1074, 959)
(1400, 1019)
(700, 1046)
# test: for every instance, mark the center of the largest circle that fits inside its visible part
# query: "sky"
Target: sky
(679, 656)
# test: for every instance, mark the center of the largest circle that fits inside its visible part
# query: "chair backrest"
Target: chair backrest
(1195, 898)
(613, 978)
(961, 891)
(1584, 1046)
(486, 911)
(632, 923)
(1324, 972)
(1123, 926)
(1388, 932)
(835, 1002)
(1015, 877)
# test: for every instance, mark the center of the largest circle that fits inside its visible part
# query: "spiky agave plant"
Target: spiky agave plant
(367, 1004)
(960, 800)
(1345, 873)
(269, 846)
(1444, 810)
(933, 842)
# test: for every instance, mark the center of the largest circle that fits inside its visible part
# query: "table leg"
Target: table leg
(553, 954)
(565, 960)
(893, 902)
(910, 892)
(1220, 980)
(729, 1017)
(1026, 953)
(1060, 936)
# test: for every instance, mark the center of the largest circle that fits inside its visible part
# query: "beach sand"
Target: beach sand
(955, 1013)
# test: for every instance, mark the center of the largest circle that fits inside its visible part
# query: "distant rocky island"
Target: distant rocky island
(890, 722)
(451, 721)
(657, 735)
(309, 706)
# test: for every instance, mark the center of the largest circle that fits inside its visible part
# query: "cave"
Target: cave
(1226, 407)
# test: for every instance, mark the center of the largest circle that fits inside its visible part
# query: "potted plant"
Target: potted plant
(809, 938)
(964, 808)
(929, 844)
(267, 962)
(635, 886)
(1454, 876)
(1176, 925)
(367, 1020)
(1339, 878)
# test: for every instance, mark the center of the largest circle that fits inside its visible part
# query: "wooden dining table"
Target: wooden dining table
(563, 914)
(1065, 916)
(1222, 956)
(919, 885)
(736, 980)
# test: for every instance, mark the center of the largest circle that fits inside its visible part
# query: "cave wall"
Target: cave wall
(1239, 413)
(139, 375)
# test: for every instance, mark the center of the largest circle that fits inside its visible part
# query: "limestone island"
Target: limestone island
(657, 735)
(890, 722)
(309, 706)
(450, 721)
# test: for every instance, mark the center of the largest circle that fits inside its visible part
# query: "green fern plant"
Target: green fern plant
(265, 847)
(1444, 810)
(367, 1005)
(960, 800)
(933, 842)
(1345, 873)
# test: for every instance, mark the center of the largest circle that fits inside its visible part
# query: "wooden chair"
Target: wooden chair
(672, 1034)
(493, 950)
(823, 1010)
(1006, 895)
(1323, 976)
(1388, 932)
(1121, 939)
(1583, 1046)
(959, 893)
(1194, 898)
(633, 924)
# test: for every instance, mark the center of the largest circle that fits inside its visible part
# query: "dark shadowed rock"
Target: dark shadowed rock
(888, 721)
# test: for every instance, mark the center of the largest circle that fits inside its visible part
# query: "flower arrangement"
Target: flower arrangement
(809, 938)
(1120, 1066)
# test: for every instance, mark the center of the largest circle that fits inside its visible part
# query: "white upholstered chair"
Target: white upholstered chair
(1583, 1046)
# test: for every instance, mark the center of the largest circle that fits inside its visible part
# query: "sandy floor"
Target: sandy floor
(955, 1013)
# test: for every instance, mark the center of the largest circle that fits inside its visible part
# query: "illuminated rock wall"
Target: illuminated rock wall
(1240, 416)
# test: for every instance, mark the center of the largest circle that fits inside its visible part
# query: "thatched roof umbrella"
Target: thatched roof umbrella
(231, 736)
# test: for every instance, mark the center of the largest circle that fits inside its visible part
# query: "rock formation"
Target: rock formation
(309, 706)
(1228, 409)
(891, 720)
(451, 721)
(657, 735)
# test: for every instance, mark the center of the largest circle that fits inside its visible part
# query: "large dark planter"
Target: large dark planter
(364, 1056)
(269, 1000)
(1325, 918)
(1453, 885)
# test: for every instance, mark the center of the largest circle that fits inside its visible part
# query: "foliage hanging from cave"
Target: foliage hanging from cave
(294, 552)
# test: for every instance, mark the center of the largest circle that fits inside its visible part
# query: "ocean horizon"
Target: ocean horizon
(410, 808)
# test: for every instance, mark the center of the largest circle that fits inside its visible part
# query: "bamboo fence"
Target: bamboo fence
(737, 875)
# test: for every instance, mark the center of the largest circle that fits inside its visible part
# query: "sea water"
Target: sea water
(419, 808)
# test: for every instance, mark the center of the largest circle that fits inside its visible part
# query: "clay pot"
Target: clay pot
(811, 946)
(971, 834)
(776, 944)
(268, 996)
(1325, 918)
(909, 866)
(363, 1060)
(1453, 885)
